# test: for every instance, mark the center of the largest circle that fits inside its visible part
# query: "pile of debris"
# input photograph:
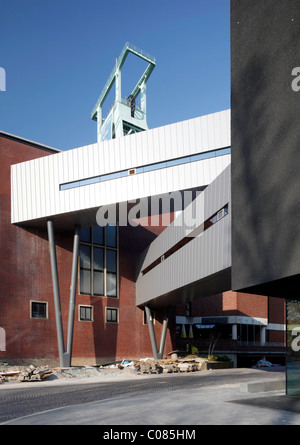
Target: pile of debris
(175, 365)
(149, 368)
(31, 373)
(25, 374)
(142, 366)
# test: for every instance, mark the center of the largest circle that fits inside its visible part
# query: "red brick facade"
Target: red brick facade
(26, 276)
(244, 308)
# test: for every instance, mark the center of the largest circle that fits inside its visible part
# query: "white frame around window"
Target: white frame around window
(117, 312)
(85, 306)
(39, 302)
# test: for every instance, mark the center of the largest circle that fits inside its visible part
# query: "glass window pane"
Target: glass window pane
(223, 151)
(111, 285)
(98, 258)
(108, 314)
(111, 261)
(38, 310)
(152, 167)
(85, 281)
(111, 236)
(85, 313)
(88, 313)
(88, 181)
(85, 257)
(82, 313)
(112, 315)
(98, 235)
(98, 283)
(178, 161)
(85, 235)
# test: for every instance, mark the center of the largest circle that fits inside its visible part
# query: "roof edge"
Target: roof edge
(29, 142)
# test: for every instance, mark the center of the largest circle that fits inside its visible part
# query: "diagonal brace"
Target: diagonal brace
(157, 354)
(65, 356)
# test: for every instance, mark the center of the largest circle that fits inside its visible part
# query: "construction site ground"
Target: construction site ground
(29, 374)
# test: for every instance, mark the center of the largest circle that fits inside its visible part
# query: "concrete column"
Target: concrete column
(151, 332)
(163, 334)
(234, 335)
(263, 331)
(73, 288)
(56, 292)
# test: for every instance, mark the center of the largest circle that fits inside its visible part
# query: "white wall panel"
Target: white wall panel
(35, 188)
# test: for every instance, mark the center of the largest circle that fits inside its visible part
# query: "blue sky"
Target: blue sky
(58, 54)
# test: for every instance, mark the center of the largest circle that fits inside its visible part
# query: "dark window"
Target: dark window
(86, 313)
(98, 261)
(112, 315)
(38, 309)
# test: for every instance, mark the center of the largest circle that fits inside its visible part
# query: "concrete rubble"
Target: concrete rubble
(24, 373)
(175, 365)
(143, 366)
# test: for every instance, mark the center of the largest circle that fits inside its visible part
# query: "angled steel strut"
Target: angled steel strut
(65, 356)
(157, 354)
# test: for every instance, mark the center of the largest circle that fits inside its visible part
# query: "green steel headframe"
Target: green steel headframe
(128, 48)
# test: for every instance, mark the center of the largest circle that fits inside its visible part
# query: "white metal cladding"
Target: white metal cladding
(205, 255)
(35, 184)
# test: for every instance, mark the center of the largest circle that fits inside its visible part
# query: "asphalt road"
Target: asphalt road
(16, 402)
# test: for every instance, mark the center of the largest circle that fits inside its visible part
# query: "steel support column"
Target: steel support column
(56, 292)
(157, 354)
(73, 289)
(163, 334)
(151, 332)
(65, 357)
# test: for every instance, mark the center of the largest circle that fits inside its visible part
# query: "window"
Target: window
(38, 309)
(216, 217)
(145, 168)
(112, 315)
(99, 261)
(86, 313)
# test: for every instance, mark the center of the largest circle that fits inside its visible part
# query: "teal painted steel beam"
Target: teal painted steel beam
(118, 66)
(143, 79)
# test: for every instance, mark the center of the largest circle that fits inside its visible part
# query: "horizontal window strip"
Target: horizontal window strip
(146, 168)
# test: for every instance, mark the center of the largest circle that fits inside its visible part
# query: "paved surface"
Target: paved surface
(204, 398)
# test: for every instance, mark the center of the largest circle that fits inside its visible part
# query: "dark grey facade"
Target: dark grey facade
(265, 165)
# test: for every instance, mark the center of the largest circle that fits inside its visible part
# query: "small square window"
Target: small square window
(112, 315)
(86, 313)
(38, 309)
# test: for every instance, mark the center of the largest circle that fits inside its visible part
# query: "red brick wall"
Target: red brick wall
(252, 305)
(130, 337)
(24, 267)
(237, 303)
(25, 275)
(277, 310)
